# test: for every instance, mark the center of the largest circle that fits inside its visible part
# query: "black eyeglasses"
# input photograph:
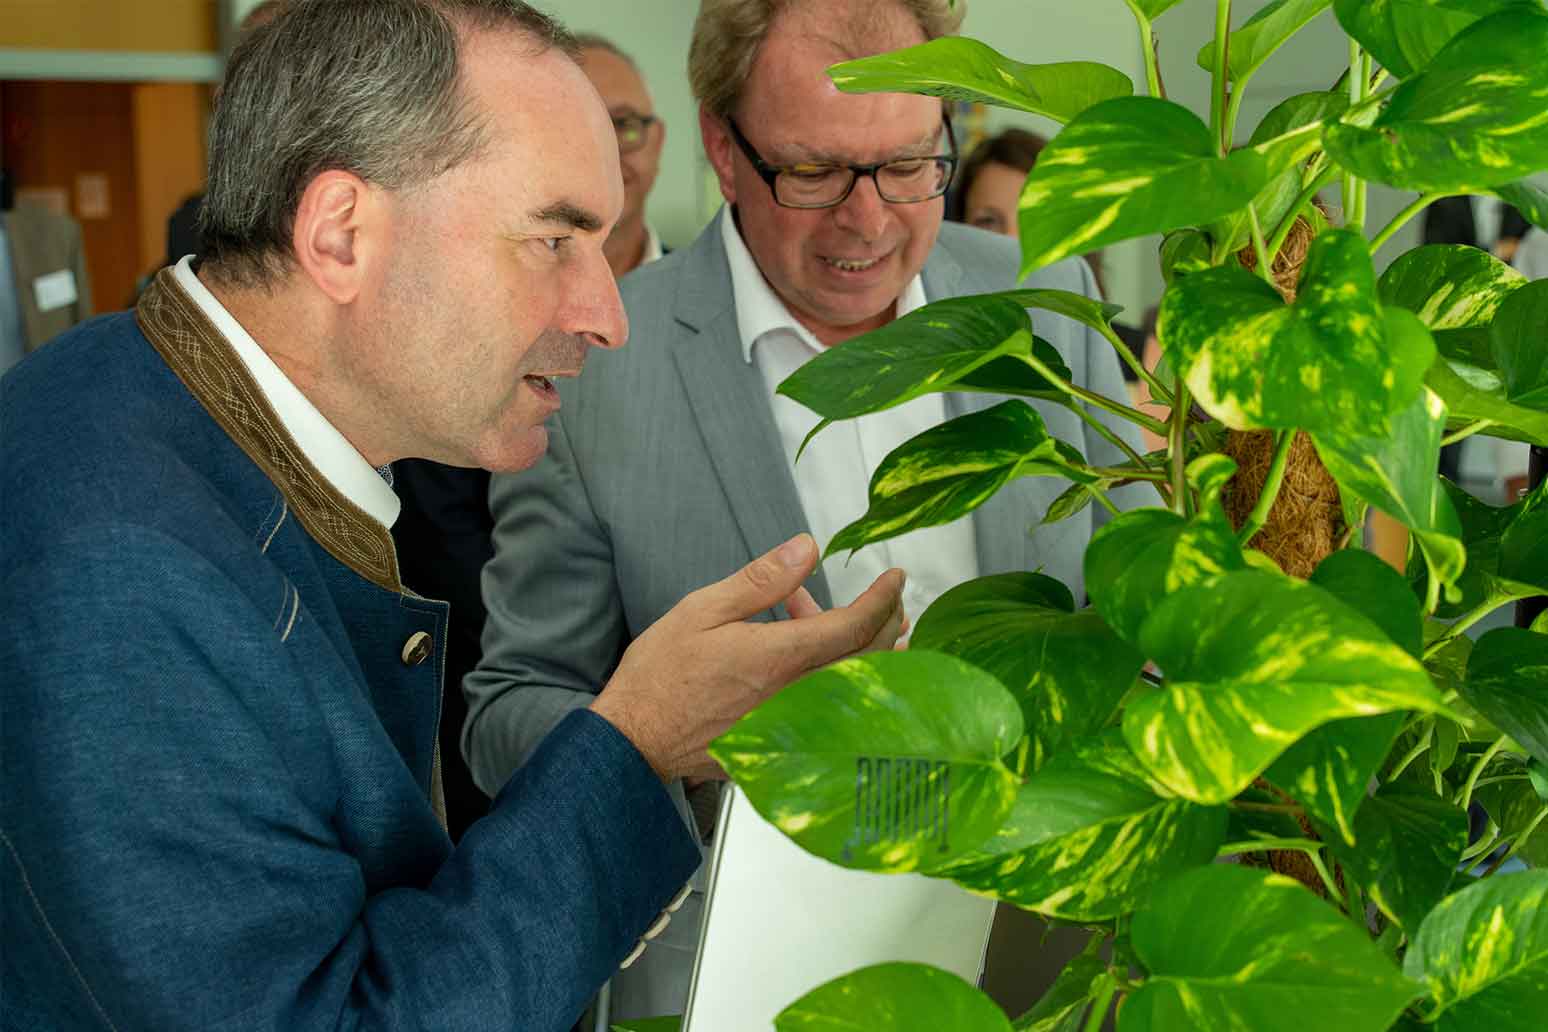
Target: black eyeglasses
(633, 131)
(815, 185)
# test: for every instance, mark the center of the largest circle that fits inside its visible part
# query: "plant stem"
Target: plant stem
(1104, 999)
(1265, 266)
(1465, 797)
(1218, 83)
(1353, 218)
(1521, 840)
(1467, 431)
(1461, 624)
(1484, 846)
(1270, 493)
(1152, 70)
(1282, 232)
(1247, 804)
(1267, 845)
(1158, 391)
(1111, 438)
(1327, 879)
(1177, 449)
(1233, 107)
(1401, 219)
(1413, 754)
(1133, 415)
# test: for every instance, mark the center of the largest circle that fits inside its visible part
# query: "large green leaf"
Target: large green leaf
(1476, 117)
(888, 761)
(949, 470)
(966, 70)
(1529, 196)
(926, 351)
(1254, 661)
(1507, 681)
(1484, 955)
(1334, 360)
(1063, 1007)
(1468, 400)
(1141, 557)
(1455, 291)
(1330, 769)
(1067, 670)
(1403, 35)
(1494, 574)
(1088, 836)
(1375, 590)
(1262, 34)
(1396, 474)
(1407, 846)
(1518, 338)
(1151, 9)
(1232, 947)
(1127, 168)
(896, 997)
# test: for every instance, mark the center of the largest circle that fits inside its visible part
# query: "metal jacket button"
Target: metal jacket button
(418, 648)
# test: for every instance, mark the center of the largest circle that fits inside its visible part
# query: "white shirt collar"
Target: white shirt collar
(319, 440)
(760, 311)
(652, 245)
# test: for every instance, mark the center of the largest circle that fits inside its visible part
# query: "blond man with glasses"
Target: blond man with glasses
(679, 459)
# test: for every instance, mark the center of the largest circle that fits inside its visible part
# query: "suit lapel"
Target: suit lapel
(731, 407)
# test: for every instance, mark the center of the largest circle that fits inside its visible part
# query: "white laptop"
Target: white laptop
(779, 922)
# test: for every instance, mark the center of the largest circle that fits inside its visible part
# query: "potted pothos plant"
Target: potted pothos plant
(1342, 719)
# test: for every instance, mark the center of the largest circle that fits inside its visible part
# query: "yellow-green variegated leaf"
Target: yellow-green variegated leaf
(1067, 670)
(1395, 472)
(894, 997)
(1253, 661)
(1403, 35)
(1142, 556)
(967, 70)
(926, 351)
(1406, 847)
(1518, 339)
(1275, 959)
(1507, 681)
(1333, 360)
(949, 470)
(1476, 117)
(1126, 168)
(888, 761)
(1496, 574)
(1088, 835)
(1468, 400)
(1483, 954)
(1262, 34)
(1455, 291)
(1529, 196)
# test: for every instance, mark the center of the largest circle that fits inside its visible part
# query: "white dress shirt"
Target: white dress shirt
(319, 440)
(834, 473)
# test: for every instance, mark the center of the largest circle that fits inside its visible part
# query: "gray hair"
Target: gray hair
(370, 87)
(728, 34)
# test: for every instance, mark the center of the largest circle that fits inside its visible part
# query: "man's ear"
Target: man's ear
(338, 224)
(717, 147)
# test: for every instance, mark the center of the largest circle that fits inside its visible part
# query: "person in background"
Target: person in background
(219, 759)
(679, 457)
(443, 531)
(44, 286)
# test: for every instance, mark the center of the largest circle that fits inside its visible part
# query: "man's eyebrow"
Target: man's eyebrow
(570, 215)
(921, 148)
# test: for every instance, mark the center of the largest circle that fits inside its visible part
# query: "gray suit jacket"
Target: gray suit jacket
(665, 473)
(44, 243)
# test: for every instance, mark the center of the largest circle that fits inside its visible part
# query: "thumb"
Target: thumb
(761, 584)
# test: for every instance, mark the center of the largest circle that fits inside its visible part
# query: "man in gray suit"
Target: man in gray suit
(677, 460)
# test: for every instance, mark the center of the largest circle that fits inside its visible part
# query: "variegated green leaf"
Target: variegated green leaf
(896, 997)
(1150, 10)
(1184, 251)
(926, 351)
(1476, 117)
(1275, 959)
(1407, 846)
(1470, 399)
(967, 70)
(1376, 591)
(1395, 472)
(1334, 360)
(950, 470)
(1529, 196)
(1493, 575)
(1126, 168)
(1067, 670)
(1483, 953)
(1403, 35)
(1455, 291)
(888, 761)
(1507, 681)
(1518, 339)
(1063, 1007)
(1330, 769)
(1262, 34)
(1254, 661)
(1088, 835)
(1137, 560)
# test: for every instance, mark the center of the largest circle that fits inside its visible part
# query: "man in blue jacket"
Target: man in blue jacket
(221, 793)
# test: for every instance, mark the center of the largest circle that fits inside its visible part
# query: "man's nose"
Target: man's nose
(599, 315)
(863, 212)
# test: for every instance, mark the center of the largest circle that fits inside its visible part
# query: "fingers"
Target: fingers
(801, 605)
(876, 616)
(761, 584)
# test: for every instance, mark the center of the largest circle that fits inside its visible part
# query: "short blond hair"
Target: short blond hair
(728, 34)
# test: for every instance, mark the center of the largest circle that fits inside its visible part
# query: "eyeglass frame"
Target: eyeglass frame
(769, 173)
(646, 124)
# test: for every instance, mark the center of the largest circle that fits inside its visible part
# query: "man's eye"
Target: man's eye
(554, 244)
